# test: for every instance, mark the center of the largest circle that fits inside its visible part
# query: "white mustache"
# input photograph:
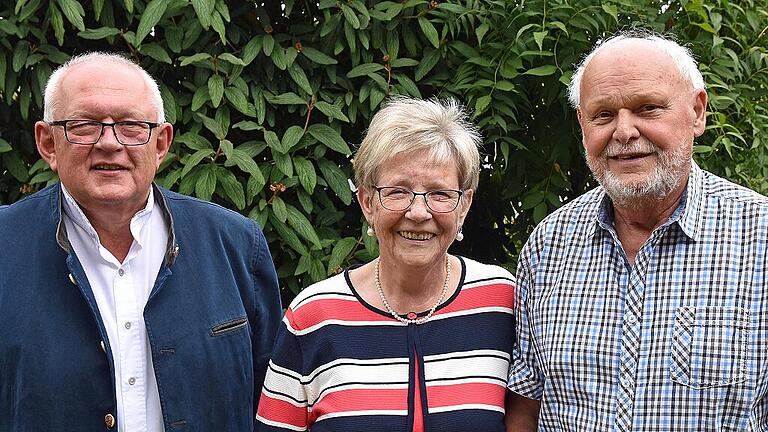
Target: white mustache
(616, 149)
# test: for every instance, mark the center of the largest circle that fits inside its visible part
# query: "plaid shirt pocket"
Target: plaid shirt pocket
(709, 346)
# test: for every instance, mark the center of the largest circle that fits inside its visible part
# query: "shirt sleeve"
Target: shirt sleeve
(283, 403)
(525, 377)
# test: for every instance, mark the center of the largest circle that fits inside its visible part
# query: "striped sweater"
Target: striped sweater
(340, 364)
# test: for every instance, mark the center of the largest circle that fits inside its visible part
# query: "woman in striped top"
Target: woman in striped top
(417, 340)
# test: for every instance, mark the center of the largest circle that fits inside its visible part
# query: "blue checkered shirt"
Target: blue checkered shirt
(676, 342)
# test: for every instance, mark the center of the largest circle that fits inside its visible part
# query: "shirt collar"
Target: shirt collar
(73, 211)
(687, 214)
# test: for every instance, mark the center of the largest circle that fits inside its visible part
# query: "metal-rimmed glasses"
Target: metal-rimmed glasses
(89, 132)
(395, 198)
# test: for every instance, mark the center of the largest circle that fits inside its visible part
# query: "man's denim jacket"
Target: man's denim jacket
(211, 320)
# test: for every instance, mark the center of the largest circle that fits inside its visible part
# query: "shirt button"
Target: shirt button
(131, 380)
(121, 272)
(128, 325)
(109, 421)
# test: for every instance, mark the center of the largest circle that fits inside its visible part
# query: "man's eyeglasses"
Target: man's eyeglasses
(395, 198)
(89, 132)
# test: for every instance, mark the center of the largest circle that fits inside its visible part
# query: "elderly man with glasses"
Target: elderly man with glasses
(124, 306)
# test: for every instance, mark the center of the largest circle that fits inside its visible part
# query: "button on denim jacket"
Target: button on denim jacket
(211, 320)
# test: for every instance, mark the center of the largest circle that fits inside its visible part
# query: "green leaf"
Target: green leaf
(287, 234)
(169, 104)
(27, 10)
(480, 32)
(268, 44)
(247, 164)
(328, 136)
(289, 98)
(20, 53)
(16, 166)
(340, 252)
(74, 12)
(350, 16)
(317, 56)
(279, 210)
(303, 227)
(283, 163)
(226, 147)
(291, 137)
(403, 62)
(57, 22)
(278, 58)
(429, 31)
(206, 184)
(482, 103)
(99, 33)
(332, 111)
(336, 179)
(274, 142)
(156, 51)
(204, 10)
(252, 49)
(151, 16)
(216, 89)
(306, 173)
(200, 97)
(232, 188)
(300, 78)
(539, 38)
(238, 99)
(4, 146)
(218, 24)
(227, 57)
(213, 126)
(195, 160)
(193, 141)
(611, 10)
(194, 58)
(541, 70)
(427, 63)
(364, 69)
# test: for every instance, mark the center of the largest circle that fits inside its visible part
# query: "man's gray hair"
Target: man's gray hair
(680, 55)
(52, 88)
(406, 126)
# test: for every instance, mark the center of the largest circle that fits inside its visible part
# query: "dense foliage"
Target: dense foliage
(268, 100)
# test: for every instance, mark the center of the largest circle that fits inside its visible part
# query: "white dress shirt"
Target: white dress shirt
(121, 291)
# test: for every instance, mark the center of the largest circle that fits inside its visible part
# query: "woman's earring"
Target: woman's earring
(459, 235)
(370, 231)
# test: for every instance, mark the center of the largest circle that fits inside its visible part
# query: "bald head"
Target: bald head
(633, 44)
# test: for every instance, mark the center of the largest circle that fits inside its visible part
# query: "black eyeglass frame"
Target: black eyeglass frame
(414, 194)
(63, 123)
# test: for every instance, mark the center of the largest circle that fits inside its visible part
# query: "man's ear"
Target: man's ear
(700, 111)
(45, 143)
(164, 140)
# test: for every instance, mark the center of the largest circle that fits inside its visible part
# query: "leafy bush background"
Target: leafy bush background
(269, 98)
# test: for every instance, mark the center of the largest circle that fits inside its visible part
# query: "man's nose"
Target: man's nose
(626, 129)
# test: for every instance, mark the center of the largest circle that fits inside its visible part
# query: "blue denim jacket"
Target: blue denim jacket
(211, 320)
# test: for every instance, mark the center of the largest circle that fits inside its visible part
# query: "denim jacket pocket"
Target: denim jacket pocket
(229, 326)
(709, 346)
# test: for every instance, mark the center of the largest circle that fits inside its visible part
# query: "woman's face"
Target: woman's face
(416, 237)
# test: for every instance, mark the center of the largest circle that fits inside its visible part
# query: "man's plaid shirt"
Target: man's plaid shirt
(676, 342)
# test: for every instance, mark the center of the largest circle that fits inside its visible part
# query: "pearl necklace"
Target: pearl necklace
(411, 315)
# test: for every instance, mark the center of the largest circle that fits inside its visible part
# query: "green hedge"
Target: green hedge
(269, 99)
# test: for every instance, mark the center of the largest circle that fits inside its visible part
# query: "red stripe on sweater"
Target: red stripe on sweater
(467, 393)
(283, 412)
